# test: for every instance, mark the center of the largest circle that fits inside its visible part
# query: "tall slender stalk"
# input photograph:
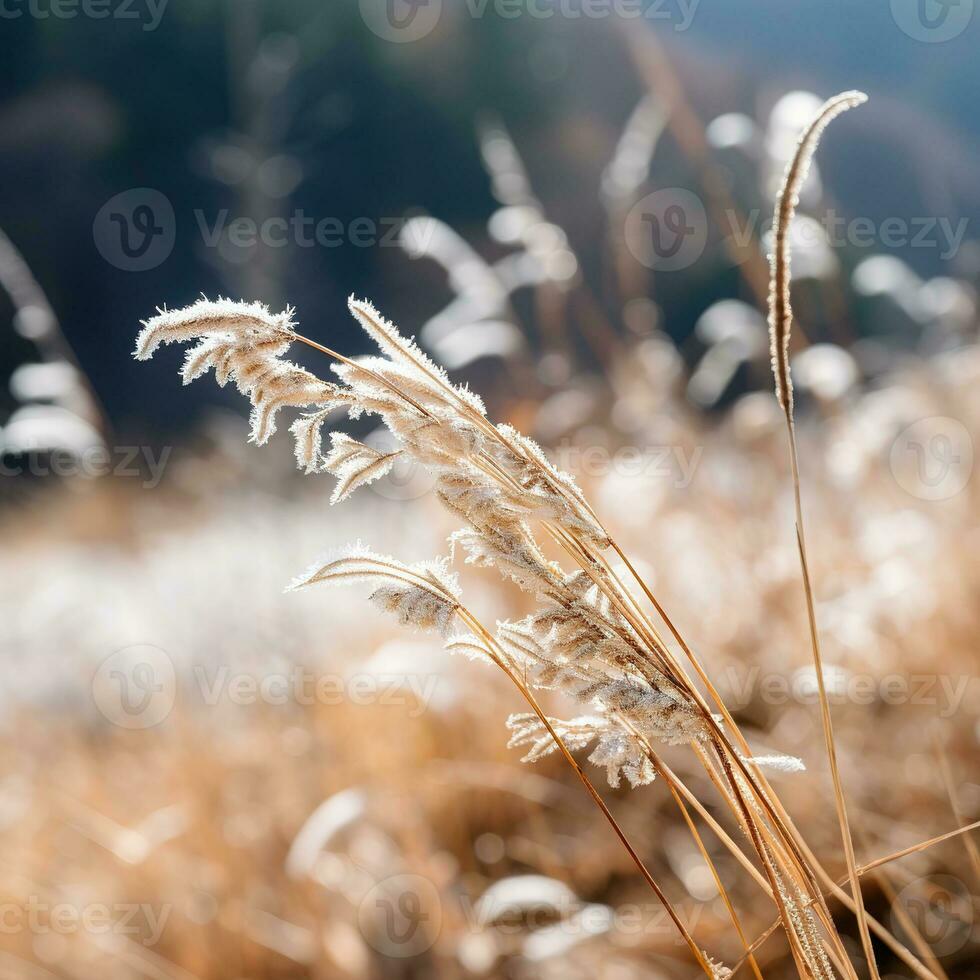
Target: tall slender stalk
(780, 325)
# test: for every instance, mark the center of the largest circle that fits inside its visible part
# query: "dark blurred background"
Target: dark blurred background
(258, 109)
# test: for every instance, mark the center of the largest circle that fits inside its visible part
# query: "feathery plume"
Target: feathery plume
(355, 465)
(213, 318)
(424, 595)
(243, 342)
(780, 311)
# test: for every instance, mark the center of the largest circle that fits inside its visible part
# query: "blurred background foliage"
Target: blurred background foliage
(267, 108)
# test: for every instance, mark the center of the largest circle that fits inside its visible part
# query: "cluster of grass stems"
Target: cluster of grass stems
(773, 854)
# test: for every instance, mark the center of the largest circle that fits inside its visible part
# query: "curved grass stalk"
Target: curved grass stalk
(780, 325)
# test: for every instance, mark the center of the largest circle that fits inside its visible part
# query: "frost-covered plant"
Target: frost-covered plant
(590, 636)
(587, 636)
(583, 639)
